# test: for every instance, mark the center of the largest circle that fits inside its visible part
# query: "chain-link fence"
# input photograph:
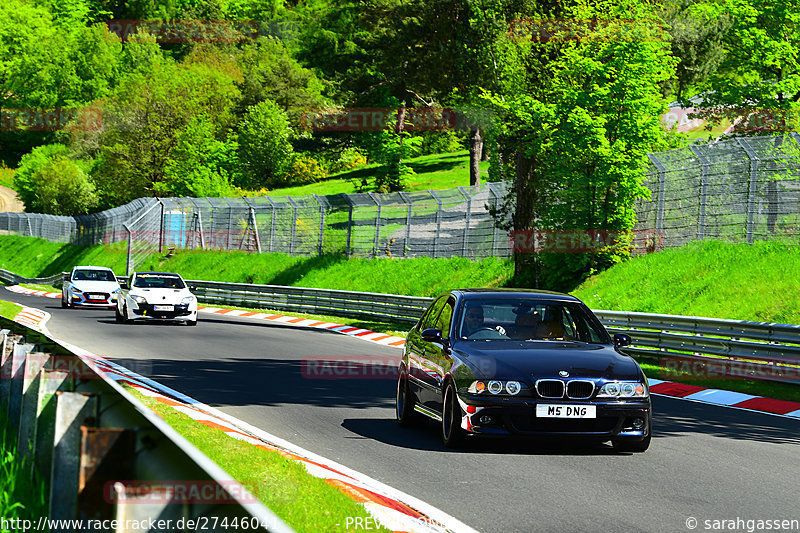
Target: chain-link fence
(736, 190)
(741, 190)
(405, 224)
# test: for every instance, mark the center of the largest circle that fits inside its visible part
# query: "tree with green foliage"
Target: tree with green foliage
(757, 84)
(200, 165)
(265, 148)
(144, 121)
(575, 132)
(48, 181)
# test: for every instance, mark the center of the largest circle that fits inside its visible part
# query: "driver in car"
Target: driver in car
(473, 320)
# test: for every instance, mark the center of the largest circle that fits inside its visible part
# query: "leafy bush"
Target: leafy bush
(349, 159)
(306, 169)
(48, 181)
(265, 150)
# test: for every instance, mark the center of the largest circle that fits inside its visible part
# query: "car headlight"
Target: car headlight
(75, 291)
(623, 389)
(139, 299)
(115, 291)
(187, 300)
(495, 387)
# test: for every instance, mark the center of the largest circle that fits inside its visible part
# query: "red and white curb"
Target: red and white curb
(725, 398)
(32, 292)
(390, 508)
(33, 318)
(365, 334)
(359, 333)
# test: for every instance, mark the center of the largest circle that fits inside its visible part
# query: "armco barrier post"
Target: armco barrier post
(16, 376)
(50, 383)
(34, 362)
(73, 410)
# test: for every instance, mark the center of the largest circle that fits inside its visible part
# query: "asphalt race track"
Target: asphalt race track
(705, 462)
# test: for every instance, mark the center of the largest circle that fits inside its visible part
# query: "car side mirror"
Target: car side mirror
(123, 284)
(431, 335)
(621, 340)
(192, 288)
(66, 276)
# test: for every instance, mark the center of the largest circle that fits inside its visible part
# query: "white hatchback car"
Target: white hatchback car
(156, 296)
(89, 286)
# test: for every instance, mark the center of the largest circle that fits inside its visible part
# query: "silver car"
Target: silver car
(161, 296)
(89, 286)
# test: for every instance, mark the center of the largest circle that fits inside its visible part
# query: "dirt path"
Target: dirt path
(9, 202)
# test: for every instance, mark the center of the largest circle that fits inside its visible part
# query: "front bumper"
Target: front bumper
(83, 301)
(148, 311)
(517, 416)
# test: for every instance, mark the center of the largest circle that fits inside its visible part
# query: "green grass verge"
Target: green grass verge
(437, 171)
(23, 492)
(417, 276)
(9, 309)
(713, 279)
(304, 502)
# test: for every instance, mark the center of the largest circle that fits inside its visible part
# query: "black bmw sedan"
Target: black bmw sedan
(526, 363)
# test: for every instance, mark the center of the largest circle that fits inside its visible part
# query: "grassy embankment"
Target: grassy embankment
(304, 502)
(437, 171)
(712, 279)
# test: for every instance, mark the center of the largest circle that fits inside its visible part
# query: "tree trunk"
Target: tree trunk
(526, 189)
(475, 152)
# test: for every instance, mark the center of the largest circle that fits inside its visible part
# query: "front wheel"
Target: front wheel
(118, 316)
(452, 432)
(191, 322)
(404, 404)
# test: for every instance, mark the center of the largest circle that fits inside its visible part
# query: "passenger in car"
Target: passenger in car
(526, 325)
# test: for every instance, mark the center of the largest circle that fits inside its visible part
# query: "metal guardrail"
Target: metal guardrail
(761, 350)
(108, 456)
(10, 277)
(721, 348)
(367, 305)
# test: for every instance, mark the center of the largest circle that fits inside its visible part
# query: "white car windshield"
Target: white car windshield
(93, 275)
(154, 281)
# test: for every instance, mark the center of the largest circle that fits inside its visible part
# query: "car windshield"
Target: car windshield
(529, 319)
(151, 281)
(94, 275)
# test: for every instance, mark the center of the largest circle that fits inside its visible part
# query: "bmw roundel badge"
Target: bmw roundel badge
(563, 374)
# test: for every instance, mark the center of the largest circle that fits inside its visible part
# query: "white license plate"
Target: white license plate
(97, 297)
(565, 411)
(162, 308)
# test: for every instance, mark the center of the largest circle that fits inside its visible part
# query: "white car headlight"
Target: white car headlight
(623, 389)
(187, 300)
(75, 290)
(139, 299)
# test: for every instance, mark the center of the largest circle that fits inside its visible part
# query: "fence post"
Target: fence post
(377, 223)
(407, 243)
(662, 186)
(465, 243)
(493, 199)
(701, 215)
(294, 224)
(161, 228)
(321, 224)
(272, 224)
(128, 261)
(438, 224)
(752, 189)
(349, 225)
